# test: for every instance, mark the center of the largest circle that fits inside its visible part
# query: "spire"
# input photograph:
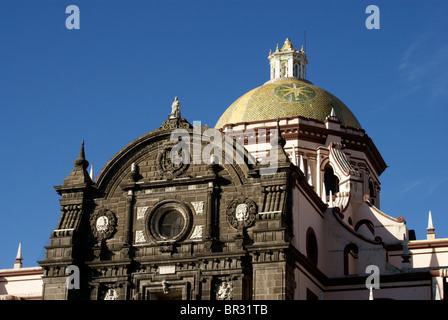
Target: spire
(279, 142)
(18, 263)
(81, 161)
(276, 156)
(332, 113)
(430, 235)
(79, 174)
(332, 121)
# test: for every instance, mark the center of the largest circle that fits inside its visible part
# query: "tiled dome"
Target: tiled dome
(286, 97)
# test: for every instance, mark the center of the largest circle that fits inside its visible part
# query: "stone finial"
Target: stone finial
(302, 165)
(430, 235)
(91, 173)
(310, 177)
(81, 161)
(79, 174)
(18, 263)
(278, 142)
(371, 293)
(332, 113)
(324, 193)
(406, 255)
(294, 156)
(330, 203)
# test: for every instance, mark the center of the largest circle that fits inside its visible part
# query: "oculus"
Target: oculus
(168, 221)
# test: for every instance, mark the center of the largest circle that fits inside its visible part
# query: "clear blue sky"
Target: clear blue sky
(115, 78)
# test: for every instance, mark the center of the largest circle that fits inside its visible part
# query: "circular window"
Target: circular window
(171, 224)
(169, 220)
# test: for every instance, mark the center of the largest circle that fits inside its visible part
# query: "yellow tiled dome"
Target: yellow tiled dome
(286, 97)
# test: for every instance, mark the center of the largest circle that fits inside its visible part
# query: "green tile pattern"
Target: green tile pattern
(286, 98)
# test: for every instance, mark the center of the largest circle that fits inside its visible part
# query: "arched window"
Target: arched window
(311, 246)
(284, 69)
(351, 259)
(296, 70)
(330, 180)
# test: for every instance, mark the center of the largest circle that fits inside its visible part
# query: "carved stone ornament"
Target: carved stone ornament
(241, 213)
(224, 291)
(102, 224)
(111, 294)
(172, 165)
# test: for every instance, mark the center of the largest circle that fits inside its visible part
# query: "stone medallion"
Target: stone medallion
(102, 224)
(241, 212)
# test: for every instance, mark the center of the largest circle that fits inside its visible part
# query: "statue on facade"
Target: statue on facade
(175, 109)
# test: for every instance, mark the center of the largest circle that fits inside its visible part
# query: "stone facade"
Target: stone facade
(233, 223)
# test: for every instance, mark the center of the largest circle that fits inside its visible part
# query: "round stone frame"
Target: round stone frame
(112, 222)
(152, 220)
(232, 217)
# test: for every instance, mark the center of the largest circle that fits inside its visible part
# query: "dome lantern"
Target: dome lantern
(288, 62)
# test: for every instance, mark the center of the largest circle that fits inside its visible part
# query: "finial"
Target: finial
(324, 193)
(82, 157)
(332, 113)
(276, 49)
(330, 205)
(430, 234)
(406, 255)
(18, 263)
(287, 45)
(278, 139)
(91, 173)
(302, 48)
(371, 293)
(270, 51)
(294, 156)
(302, 165)
(310, 177)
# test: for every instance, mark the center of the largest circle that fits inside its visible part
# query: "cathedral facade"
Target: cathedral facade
(281, 200)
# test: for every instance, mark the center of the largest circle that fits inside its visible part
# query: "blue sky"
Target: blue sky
(115, 78)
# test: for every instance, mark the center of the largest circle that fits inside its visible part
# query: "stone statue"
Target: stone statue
(225, 291)
(175, 109)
